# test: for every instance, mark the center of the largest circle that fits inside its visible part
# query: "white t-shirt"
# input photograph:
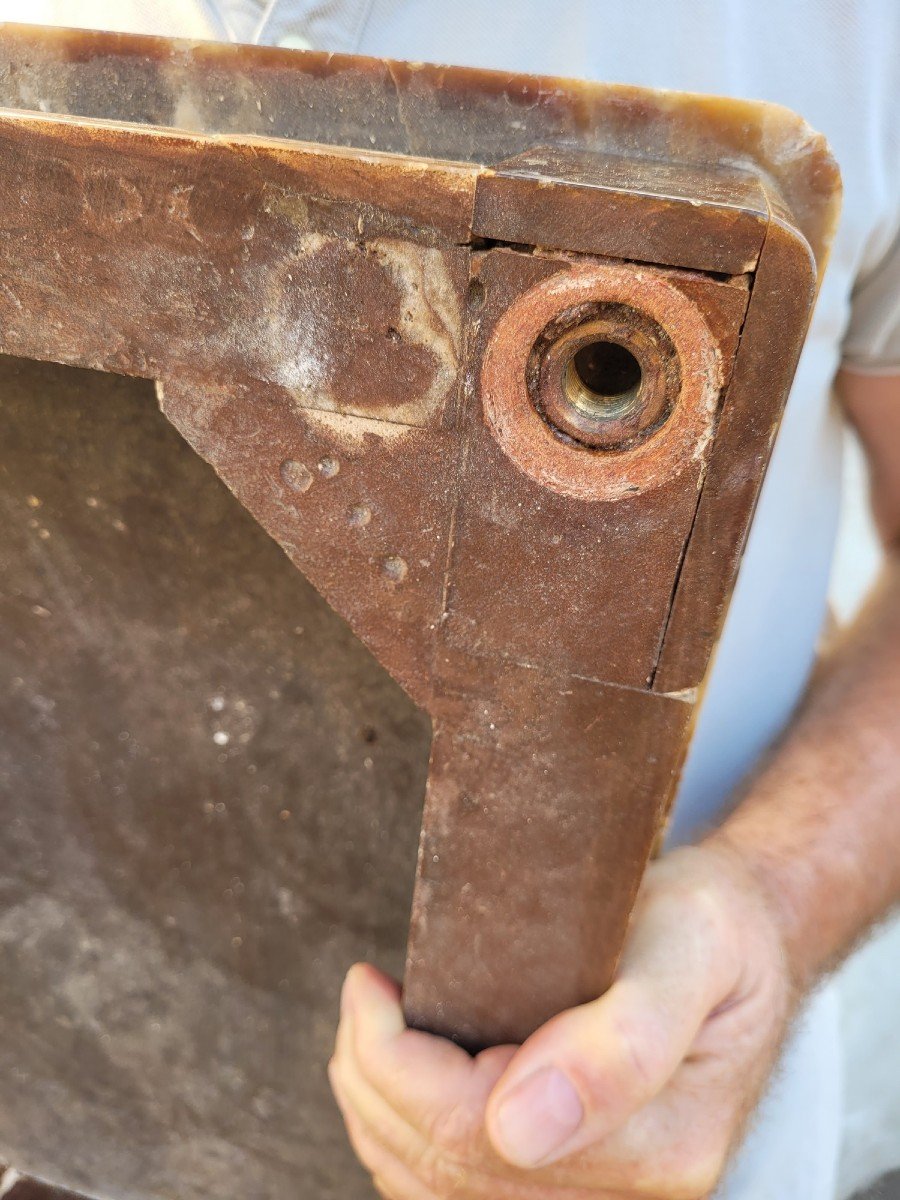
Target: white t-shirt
(836, 63)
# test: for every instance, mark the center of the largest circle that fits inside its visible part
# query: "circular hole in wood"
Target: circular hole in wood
(603, 379)
(604, 375)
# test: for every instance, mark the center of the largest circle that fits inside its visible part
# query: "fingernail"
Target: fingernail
(538, 1117)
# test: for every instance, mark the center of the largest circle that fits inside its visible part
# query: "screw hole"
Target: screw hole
(475, 296)
(603, 379)
(604, 375)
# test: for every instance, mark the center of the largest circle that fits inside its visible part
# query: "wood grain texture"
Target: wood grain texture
(626, 208)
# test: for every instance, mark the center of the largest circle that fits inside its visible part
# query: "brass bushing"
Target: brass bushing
(605, 375)
(602, 381)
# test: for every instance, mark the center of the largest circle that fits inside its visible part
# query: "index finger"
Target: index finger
(428, 1080)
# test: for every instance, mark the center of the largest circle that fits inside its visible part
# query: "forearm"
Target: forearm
(820, 823)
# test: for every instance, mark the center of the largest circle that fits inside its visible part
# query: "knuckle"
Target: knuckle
(700, 1179)
(709, 935)
(441, 1172)
(701, 906)
(693, 1175)
(335, 1078)
(686, 888)
(362, 1144)
(368, 1059)
(450, 1130)
(643, 1057)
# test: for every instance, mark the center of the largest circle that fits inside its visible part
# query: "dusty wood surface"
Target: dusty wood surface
(177, 910)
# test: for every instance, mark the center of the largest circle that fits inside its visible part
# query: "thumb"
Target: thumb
(584, 1073)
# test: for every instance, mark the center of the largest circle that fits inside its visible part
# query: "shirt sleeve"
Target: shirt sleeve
(872, 342)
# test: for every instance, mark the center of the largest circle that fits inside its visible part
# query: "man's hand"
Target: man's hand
(642, 1093)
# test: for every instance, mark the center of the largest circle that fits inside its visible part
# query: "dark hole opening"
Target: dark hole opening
(607, 369)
